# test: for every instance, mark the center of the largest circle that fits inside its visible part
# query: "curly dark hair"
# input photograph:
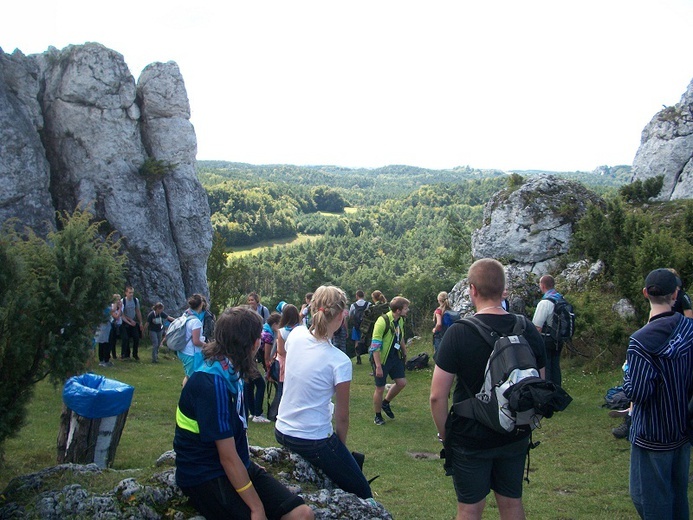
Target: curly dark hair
(236, 336)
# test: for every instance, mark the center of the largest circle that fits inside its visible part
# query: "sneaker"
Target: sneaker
(619, 413)
(102, 363)
(621, 431)
(379, 420)
(109, 363)
(261, 419)
(388, 410)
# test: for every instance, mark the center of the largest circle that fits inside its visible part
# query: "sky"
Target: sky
(515, 85)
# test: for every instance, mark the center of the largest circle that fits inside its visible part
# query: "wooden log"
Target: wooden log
(83, 441)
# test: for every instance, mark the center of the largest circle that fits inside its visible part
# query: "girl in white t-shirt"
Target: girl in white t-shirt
(315, 372)
(191, 355)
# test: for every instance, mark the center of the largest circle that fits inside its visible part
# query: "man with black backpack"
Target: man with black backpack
(356, 311)
(554, 319)
(479, 458)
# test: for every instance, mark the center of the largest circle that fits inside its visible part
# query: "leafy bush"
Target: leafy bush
(154, 169)
(53, 294)
(642, 191)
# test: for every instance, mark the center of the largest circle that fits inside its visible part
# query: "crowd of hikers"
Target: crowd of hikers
(500, 369)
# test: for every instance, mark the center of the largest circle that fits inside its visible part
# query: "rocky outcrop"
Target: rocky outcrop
(666, 148)
(45, 495)
(24, 169)
(523, 285)
(532, 225)
(78, 131)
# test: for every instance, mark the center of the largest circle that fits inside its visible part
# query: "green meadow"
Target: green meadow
(579, 470)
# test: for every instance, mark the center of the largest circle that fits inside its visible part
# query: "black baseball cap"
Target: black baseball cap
(661, 282)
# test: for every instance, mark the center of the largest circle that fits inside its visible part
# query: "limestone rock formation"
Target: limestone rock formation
(532, 225)
(666, 148)
(45, 494)
(78, 131)
(24, 170)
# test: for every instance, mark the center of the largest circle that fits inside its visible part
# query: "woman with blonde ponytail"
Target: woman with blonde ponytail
(443, 305)
(315, 372)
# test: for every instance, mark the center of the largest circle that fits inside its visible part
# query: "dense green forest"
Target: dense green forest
(399, 229)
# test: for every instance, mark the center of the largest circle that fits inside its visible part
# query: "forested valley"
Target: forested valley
(399, 229)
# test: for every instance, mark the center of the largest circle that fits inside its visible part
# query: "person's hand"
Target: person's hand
(379, 371)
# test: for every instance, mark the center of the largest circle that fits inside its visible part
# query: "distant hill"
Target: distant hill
(400, 178)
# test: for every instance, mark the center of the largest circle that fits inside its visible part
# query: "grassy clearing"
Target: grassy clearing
(265, 244)
(579, 471)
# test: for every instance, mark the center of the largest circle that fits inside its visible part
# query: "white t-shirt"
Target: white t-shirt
(543, 313)
(191, 325)
(313, 369)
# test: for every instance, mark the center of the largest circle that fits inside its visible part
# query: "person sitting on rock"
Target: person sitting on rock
(213, 466)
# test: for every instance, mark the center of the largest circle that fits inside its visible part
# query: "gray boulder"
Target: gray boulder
(532, 225)
(125, 151)
(45, 495)
(666, 148)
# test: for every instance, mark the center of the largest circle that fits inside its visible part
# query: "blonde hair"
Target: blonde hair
(328, 302)
(378, 297)
(444, 304)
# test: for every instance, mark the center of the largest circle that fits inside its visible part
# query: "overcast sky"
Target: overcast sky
(508, 84)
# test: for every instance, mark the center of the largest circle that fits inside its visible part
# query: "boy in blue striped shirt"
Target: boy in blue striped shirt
(659, 383)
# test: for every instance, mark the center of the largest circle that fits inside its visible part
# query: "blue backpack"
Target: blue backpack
(450, 317)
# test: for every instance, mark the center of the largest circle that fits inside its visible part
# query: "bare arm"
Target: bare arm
(341, 410)
(196, 334)
(237, 474)
(440, 389)
(281, 350)
(439, 322)
(378, 363)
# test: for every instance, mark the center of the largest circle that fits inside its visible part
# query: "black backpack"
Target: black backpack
(513, 397)
(357, 318)
(417, 362)
(562, 325)
(370, 316)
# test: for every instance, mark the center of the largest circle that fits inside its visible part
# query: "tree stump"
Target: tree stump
(82, 440)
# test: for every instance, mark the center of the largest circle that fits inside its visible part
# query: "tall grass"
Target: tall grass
(578, 471)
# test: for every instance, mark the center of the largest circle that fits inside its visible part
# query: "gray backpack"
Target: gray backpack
(177, 333)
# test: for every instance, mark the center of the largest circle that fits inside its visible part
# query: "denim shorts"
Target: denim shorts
(333, 458)
(478, 471)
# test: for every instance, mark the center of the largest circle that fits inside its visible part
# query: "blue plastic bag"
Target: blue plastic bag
(94, 396)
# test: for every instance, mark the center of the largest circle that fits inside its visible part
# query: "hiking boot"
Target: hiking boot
(621, 431)
(388, 410)
(379, 420)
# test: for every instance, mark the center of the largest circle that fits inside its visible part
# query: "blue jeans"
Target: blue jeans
(255, 395)
(659, 482)
(155, 337)
(333, 458)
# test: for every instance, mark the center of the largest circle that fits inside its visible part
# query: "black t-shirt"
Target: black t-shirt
(156, 322)
(464, 353)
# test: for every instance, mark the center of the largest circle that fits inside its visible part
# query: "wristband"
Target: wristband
(247, 486)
